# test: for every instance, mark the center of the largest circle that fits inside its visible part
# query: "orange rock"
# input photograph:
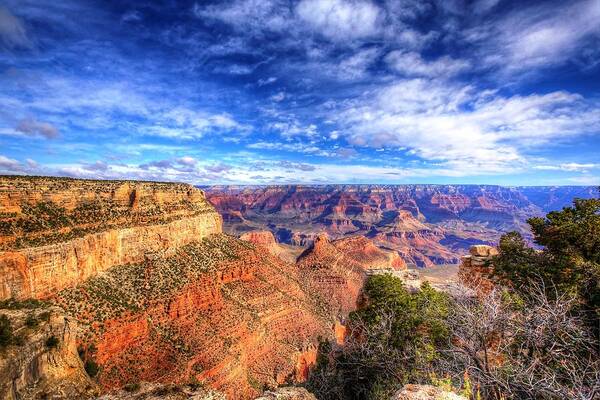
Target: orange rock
(64, 258)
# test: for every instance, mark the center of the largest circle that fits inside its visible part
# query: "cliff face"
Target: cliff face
(44, 361)
(334, 271)
(59, 232)
(475, 269)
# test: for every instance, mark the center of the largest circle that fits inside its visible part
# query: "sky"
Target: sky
(309, 91)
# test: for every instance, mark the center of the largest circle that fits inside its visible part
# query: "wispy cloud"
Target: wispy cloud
(12, 32)
(339, 19)
(464, 128)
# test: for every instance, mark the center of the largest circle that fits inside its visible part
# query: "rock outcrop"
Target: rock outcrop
(156, 391)
(157, 293)
(334, 271)
(366, 253)
(266, 240)
(425, 392)
(476, 268)
(58, 232)
(220, 311)
(287, 393)
(42, 361)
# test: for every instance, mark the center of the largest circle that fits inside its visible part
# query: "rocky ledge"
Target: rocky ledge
(56, 232)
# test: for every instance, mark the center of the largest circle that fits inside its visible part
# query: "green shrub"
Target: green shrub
(132, 387)
(52, 342)
(91, 368)
(31, 321)
(394, 338)
(6, 332)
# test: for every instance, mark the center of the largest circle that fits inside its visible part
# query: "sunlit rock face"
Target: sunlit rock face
(58, 232)
(425, 392)
(425, 224)
(152, 291)
(45, 359)
(476, 267)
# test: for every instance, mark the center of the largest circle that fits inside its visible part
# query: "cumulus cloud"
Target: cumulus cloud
(9, 164)
(340, 19)
(289, 129)
(32, 127)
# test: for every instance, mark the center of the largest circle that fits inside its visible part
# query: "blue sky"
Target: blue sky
(309, 91)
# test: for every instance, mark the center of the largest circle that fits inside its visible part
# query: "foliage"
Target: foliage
(52, 342)
(91, 367)
(132, 387)
(6, 332)
(510, 351)
(394, 338)
(13, 304)
(569, 262)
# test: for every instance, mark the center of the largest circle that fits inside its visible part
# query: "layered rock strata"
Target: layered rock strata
(427, 224)
(220, 311)
(58, 232)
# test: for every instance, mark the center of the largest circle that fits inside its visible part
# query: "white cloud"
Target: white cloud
(9, 164)
(290, 147)
(244, 15)
(463, 129)
(355, 66)
(570, 167)
(277, 97)
(268, 81)
(539, 36)
(294, 128)
(340, 19)
(412, 64)
(32, 127)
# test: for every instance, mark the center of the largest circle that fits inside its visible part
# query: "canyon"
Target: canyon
(107, 284)
(426, 225)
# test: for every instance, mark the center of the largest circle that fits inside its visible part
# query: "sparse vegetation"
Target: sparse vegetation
(48, 222)
(534, 336)
(132, 387)
(52, 342)
(395, 338)
(91, 367)
(6, 331)
(13, 304)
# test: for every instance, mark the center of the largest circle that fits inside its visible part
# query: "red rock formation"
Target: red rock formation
(264, 239)
(426, 224)
(366, 253)
(222, 311)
